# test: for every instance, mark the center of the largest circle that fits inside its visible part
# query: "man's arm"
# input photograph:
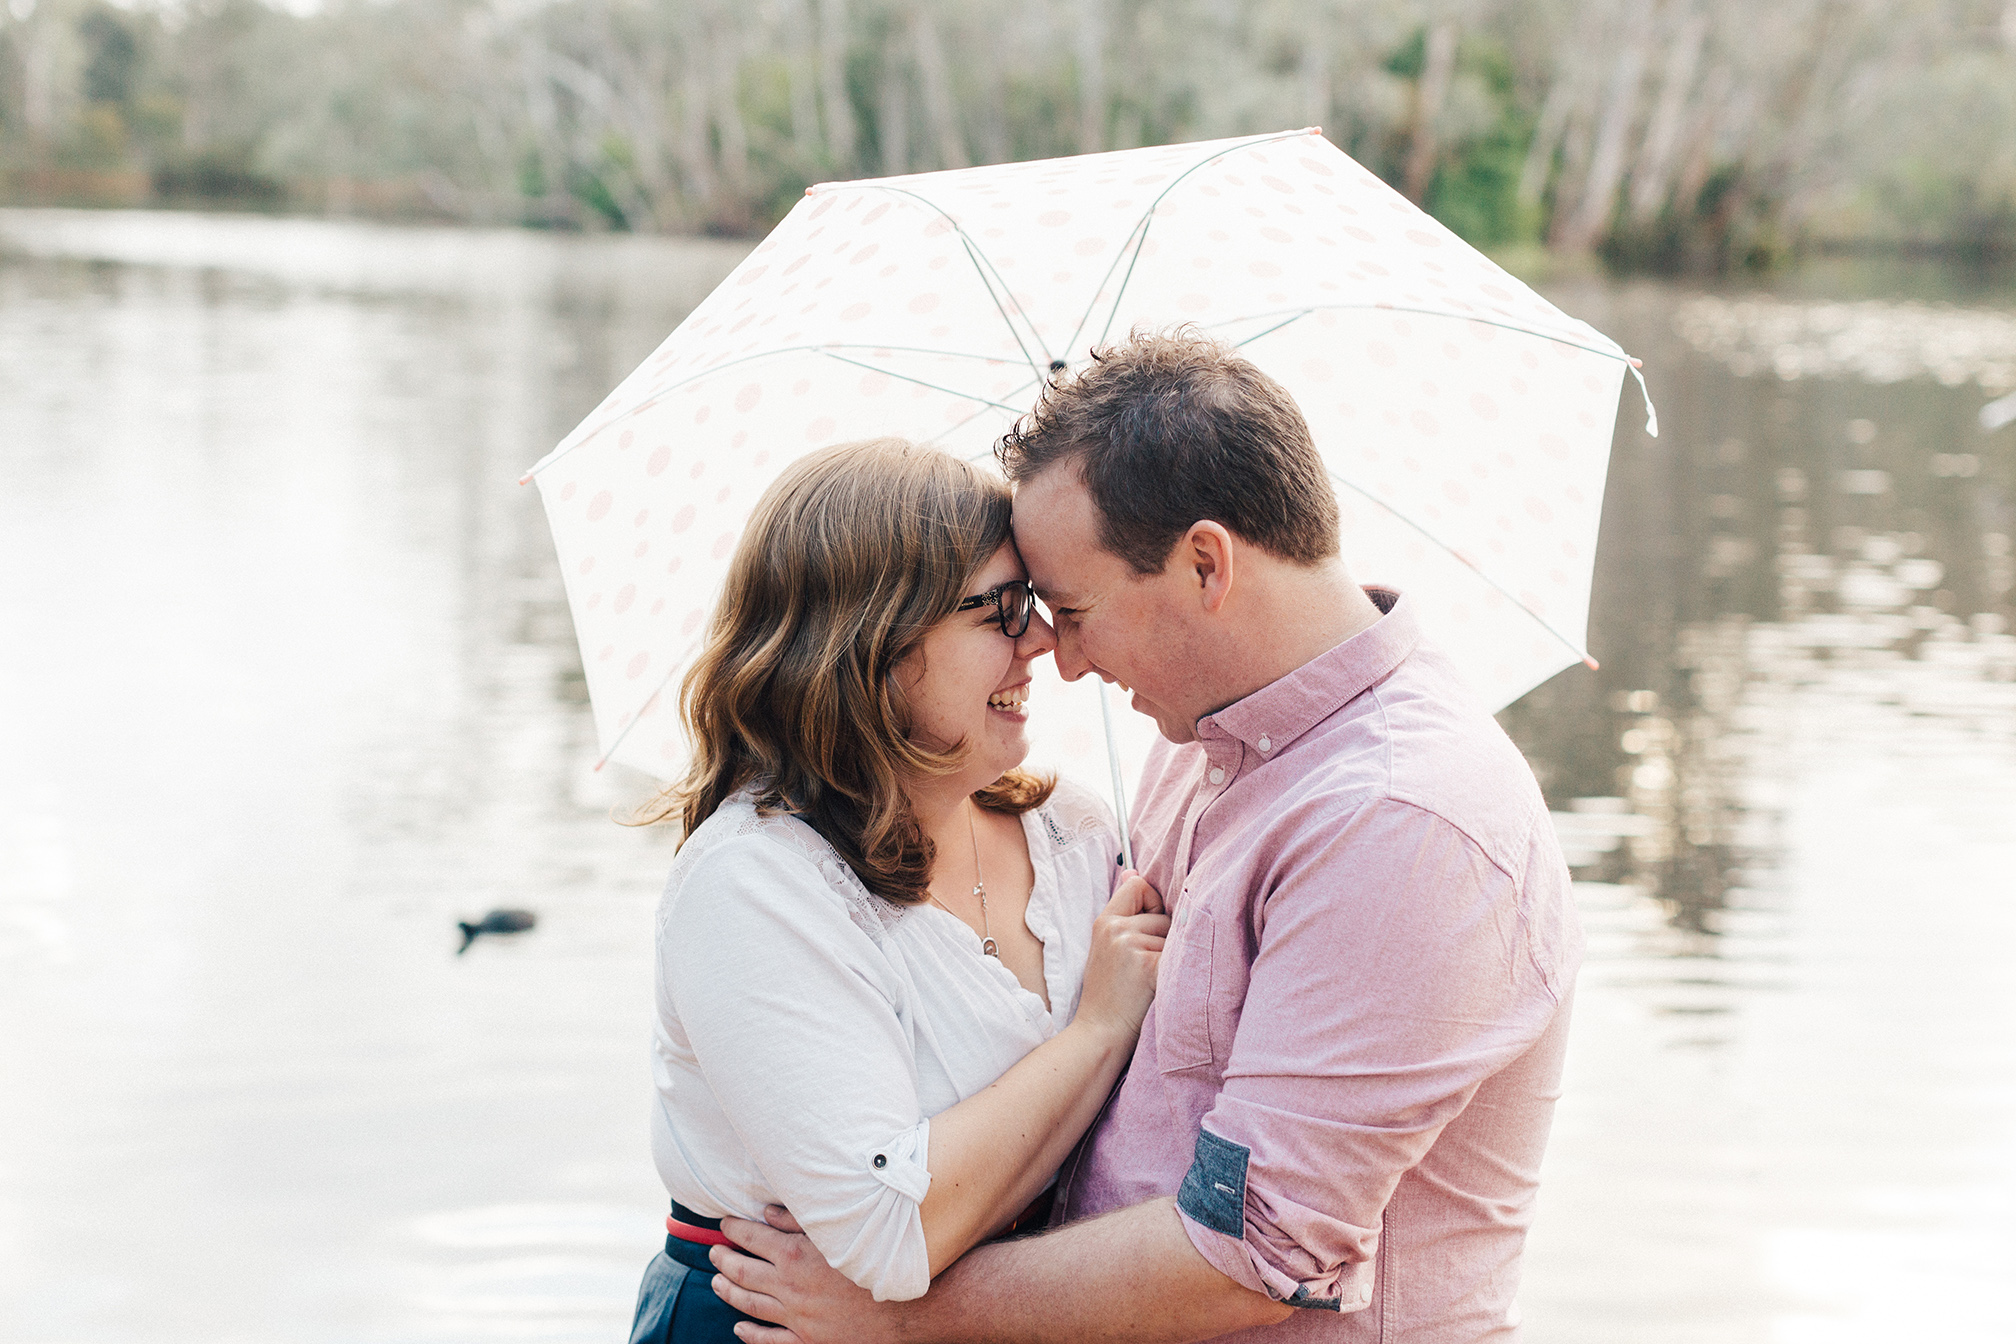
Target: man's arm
(1130, 1275)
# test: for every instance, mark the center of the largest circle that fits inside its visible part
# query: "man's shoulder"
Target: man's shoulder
(1420, 742)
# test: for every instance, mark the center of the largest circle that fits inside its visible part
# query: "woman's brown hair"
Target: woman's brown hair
(849, 559)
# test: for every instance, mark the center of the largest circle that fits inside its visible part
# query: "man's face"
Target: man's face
(1130, 629)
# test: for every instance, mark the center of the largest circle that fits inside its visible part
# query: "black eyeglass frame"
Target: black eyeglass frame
(992, 597)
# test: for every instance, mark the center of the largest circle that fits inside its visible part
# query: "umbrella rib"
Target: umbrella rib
(964, 396)
(1156, 204)
(1129, 249)
(981, 264)
(665, 392)
(955, 428)
(1614, 352)
(1470, 565)
(1276, 327)
(671, 671)
(984, 270)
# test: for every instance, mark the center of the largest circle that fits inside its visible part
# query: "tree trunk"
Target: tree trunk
(893, 116)
(1606, 163)
(729, 124)
(1652, 174)
(840, 132)
(1091, 76)
(1438, 63)
(1317, 92)
(994, 142)
(547, 139)
(939, 109)
(1699, 160)
(1547, 133)
(801, 66)
(34, 41)
(690, 141)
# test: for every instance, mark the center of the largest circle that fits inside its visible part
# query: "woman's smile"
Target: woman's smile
(1010, 702)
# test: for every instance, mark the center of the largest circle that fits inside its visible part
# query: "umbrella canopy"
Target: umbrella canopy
(1465, 420)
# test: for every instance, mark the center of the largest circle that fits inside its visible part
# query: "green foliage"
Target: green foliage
(1475, 190)
(218, 179)
(592, 190)
(112, 57)
(1891, 124)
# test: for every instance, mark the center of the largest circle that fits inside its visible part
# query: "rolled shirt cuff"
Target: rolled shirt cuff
(1214, 1204)
(902, 1162)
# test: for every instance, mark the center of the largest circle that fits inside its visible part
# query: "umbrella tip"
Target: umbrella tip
(526, 479)
(1591, 663)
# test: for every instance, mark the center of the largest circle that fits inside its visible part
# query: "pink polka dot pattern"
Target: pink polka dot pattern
(1464, 418)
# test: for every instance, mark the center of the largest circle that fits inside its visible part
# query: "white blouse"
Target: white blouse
(807, 1030)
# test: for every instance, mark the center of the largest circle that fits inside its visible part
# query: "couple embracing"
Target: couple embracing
(931, 1065)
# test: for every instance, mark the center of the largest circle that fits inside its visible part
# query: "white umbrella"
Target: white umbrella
(1466, 420)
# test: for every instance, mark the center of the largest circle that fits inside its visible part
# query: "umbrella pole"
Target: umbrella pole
(1119, 781)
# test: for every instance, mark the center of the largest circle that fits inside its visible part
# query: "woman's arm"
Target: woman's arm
(991, 1154)
(787, 1007)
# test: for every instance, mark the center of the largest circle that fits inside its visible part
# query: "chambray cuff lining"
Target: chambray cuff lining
(1213, 1192)
(1213, 1197)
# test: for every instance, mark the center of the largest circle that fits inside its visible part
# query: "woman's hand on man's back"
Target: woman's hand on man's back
(1126, 949)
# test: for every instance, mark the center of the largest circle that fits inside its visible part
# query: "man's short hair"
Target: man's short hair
(1174, 428)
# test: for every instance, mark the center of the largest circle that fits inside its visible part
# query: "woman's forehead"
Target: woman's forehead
(1003, 566)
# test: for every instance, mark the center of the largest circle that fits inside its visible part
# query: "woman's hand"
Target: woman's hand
(1126, 949)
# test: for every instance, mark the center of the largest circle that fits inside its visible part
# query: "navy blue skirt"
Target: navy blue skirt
(676, 1302)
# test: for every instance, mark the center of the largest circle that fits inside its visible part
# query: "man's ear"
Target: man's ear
(1212, 563)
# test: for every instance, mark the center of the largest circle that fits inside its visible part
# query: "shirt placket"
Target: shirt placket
(1218, 773)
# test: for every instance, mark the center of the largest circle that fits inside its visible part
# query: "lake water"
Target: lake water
(290, 687)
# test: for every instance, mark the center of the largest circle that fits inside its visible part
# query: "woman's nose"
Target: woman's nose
(1037, 640)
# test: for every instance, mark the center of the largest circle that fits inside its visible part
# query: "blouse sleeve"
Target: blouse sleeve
(791, 1011)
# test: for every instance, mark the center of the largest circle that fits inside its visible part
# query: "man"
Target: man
(1333, 1124)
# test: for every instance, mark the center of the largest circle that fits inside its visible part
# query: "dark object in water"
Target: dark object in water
(497, 921)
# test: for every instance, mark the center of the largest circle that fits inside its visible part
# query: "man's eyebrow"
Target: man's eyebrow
(1051, 597)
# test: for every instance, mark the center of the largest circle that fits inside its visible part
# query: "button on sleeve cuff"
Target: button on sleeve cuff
(901, 1163)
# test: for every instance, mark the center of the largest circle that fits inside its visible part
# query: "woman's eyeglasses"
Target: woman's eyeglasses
(1013, 602)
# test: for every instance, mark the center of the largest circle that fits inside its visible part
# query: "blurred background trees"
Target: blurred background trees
(1663, 134)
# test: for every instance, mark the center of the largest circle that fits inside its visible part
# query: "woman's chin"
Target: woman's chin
(1009, 741)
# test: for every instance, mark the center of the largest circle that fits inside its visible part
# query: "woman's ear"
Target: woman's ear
(1209, 548)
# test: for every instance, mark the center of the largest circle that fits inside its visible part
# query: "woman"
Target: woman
(892, 989)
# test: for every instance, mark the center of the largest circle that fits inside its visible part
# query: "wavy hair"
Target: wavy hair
(849, 559)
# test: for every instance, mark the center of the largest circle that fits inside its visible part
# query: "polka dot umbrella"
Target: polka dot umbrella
(1466, 420)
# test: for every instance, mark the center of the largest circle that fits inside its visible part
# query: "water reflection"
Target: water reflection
(1788, 797)
(290, 687)
(301, 690)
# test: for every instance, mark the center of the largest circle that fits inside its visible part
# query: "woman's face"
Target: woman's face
(967, 681)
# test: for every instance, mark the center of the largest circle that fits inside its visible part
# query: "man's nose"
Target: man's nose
(1071, 661)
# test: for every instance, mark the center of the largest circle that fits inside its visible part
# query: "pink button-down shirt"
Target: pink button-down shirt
(1352, 1060)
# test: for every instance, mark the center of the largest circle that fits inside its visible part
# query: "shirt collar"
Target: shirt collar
(1283, 710)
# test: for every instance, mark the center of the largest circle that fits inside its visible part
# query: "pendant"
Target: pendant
(987, 947)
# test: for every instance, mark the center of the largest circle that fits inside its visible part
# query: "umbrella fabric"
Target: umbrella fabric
(1466, 420)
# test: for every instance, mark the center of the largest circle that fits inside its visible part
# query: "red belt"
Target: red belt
(697, 1230)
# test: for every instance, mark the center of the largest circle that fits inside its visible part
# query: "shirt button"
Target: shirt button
(1265, 744)
(1217, 775)
(881, 1161)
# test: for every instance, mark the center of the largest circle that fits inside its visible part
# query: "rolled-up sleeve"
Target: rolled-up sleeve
(1381, 996)
(792, 1013)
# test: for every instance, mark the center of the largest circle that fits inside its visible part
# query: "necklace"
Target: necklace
(987, 945)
